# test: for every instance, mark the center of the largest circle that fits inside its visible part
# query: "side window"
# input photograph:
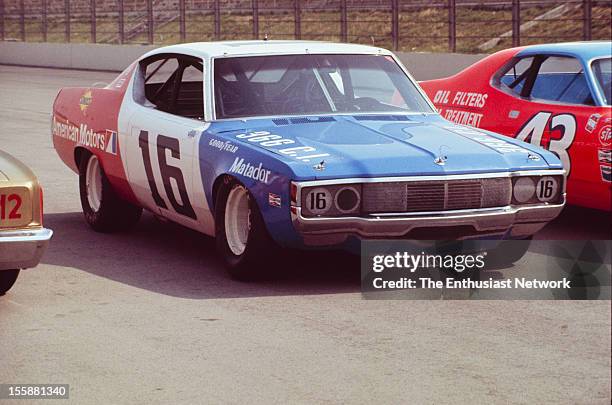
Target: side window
(513, 78)
(159, 82)
(190, 100)
(174, 85)
(562, 79)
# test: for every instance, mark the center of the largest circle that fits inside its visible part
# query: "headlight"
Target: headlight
(537, 189)
(331, 200)
(524, 189)
(347, 200)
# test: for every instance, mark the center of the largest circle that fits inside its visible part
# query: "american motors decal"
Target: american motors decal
(105, 140)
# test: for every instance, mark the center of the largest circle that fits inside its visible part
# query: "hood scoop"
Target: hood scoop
(302, 120)
(380, 117)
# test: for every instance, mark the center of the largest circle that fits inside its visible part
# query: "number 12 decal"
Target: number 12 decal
(167, 172)
(533, 131)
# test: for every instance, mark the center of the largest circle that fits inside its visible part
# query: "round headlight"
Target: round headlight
(318, 200)
(524, 189)
(547, 188)
(347, 200)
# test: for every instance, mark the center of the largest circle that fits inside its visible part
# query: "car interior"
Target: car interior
(174, 84)
(552, 78)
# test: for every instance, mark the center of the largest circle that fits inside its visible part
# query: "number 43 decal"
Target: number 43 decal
(533, 131)
(167, 172)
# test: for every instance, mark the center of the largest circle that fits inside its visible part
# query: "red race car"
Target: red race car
(556, 96)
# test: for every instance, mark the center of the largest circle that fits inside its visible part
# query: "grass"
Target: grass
(424, 29)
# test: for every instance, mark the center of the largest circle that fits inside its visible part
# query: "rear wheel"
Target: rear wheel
(241, 235)
(7, 279)
(104, 211)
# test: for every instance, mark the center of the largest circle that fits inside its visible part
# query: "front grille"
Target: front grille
(442, 195)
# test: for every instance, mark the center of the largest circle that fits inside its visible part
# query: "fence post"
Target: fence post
(93, 21)
(149, 21)
(255, 4)
(452, 26)
(21, 21)
(395, 24)
(516, 23)
(217, 20)
(586, 27)
(343, 22)
(1, 20)
(182, 33)
(120, 21)
(67, 21)
(44, 20)
(298, 19)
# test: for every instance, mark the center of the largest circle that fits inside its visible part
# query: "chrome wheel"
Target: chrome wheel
(93, 183)
(237, 220)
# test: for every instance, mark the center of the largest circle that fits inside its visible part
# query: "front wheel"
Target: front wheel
(241, 236)
(104, 211)
(7, 279)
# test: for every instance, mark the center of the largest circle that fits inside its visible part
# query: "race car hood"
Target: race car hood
(384, 145)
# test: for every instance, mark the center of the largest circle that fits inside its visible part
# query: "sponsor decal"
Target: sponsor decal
(275, 142)
(463, 117)
(223, 146)
(499, 145)
(85, 101)
(111, 146)
(604, 156)
(274, 200)
(605, 135)
(246, 169)
(606, 173)
(592, 123)
(83, 135)
(461, 98)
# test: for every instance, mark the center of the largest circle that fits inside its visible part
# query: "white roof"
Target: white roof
(241, 48)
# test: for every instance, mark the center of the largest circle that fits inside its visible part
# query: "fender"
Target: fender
(86, 118)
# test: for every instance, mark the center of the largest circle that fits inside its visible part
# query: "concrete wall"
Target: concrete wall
(423, 66)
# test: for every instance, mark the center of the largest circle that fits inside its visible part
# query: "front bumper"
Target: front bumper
(510, 222)
(22, 249)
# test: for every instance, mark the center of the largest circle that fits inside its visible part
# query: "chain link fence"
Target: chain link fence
(442, 25)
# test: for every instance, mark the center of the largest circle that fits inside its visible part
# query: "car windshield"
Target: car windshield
(313, 84)
(603, 74)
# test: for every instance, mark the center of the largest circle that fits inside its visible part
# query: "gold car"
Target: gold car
(23, 240)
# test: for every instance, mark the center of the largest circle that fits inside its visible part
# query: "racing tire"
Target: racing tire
(104, 211)
(242, 238)
(7, 280)
(508, 252)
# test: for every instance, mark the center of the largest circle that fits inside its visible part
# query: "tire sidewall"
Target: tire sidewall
(237, 264)
(7, 280)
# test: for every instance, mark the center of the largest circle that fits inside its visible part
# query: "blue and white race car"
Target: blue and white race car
(294, 144)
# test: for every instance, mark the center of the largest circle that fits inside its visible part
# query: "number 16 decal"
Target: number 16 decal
(167, 172)
(533, 131)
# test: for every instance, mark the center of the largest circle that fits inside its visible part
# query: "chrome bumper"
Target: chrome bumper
(511, 221)
(22, 249)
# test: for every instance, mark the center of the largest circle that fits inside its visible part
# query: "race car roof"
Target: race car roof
(581, 50)
(241, 48)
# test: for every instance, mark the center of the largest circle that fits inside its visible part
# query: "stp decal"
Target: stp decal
(605, 135)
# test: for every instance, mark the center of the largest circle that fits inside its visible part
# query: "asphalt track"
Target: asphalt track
(150, 317)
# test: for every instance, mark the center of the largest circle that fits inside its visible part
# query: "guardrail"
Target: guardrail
(439, 25)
